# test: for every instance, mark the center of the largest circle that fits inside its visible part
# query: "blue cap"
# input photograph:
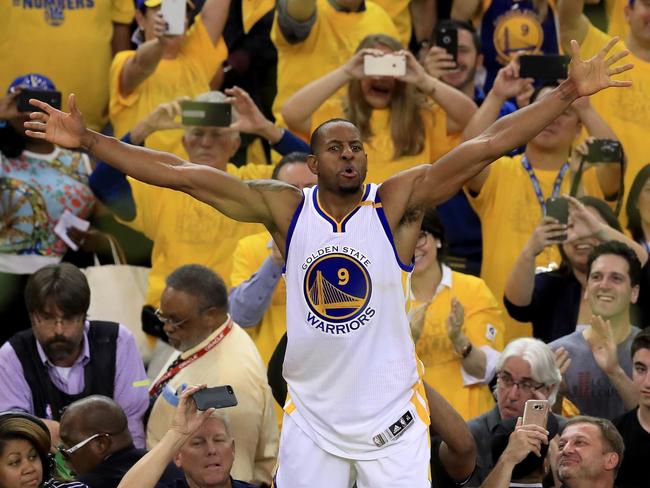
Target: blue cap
(32, 80)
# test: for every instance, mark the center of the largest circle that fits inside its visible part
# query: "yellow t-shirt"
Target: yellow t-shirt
(483, 326)
(626, 110)
(185, 230)
(71, 45)
(332, 41)
(399, 11)
(617, 25)
(254, 10)
(510, 211)
(380, 149)
(189, 74)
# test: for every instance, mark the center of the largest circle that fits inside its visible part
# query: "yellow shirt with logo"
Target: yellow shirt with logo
(380, 148)
(510, 211)
(399, 11)
(189, 74)
(69, 42)
(331, 43)
(626, 110)
(185, 230)
(483, 326)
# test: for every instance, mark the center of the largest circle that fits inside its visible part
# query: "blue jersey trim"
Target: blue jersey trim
(331, 221)
(292, 226)
(351, 214)
(382, 218)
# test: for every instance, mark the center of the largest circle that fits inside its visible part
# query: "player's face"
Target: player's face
(208, 455)
(582, 453)
(378, 90)
(638, 16)
(468, 61)
(641, 375)
(340, 162)
(578, 251)
(609, 289)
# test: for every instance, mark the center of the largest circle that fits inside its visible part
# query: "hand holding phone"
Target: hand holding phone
(207, 114)
(385, 65)
(558, 208)
(544, 66)
(536, 413)
(216, 397)
(174, 11)
(447, 38)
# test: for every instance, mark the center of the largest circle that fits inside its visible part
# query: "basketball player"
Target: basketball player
(356, 409)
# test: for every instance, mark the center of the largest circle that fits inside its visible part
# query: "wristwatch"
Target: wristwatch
(466, 351)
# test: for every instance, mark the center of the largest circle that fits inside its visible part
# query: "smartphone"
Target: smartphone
(447, 38)
(212, 114)
(174, 11)
(604, 151)
(536, 412)
(48, 96)
(544, 66)
(217, 397)
(386, 65)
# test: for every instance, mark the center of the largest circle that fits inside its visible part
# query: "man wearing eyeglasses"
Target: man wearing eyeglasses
(97, 444)
(65, 357)
(214, 350)
(526, 370)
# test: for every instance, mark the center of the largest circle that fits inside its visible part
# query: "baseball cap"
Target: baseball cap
(155, 3)
(32, 80)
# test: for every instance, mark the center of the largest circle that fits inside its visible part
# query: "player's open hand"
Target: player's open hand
(55, 126)
(595, 74)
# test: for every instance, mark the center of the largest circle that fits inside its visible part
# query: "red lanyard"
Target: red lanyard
(184, 364)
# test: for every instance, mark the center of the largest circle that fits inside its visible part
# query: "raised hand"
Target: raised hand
(582, 223)
(9, 105)
(547, 233)
(438, 62)
(55, 126)
(250, 119)
(524, 440)
(354, 67)
(603, 346)
(187, 418)
(415, 72)
(455, 321)
(507, 83)
(562, 359)
(592, 75)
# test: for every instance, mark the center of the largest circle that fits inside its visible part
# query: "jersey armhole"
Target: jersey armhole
(292, 226)
(389, 234)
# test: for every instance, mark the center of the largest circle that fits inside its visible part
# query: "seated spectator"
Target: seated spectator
(510, 27)
(25, 458)
(202, 444)
(634, 426)
(628, 118)
(165, 67)
(184, 230)
(521, 452)
(597, 377)
(526, 370)
(214, 350)
(65, 357)
(314, 37)
(47, 35)
(39, 181)
(98, 446)
(555, 301)
(590, 453)
(399, 127)
(457, 325)
(510, 195)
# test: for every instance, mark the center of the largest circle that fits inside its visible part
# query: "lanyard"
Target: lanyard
(536, 186)
(175, 368)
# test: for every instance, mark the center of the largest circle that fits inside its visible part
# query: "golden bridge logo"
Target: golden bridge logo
(337, 287)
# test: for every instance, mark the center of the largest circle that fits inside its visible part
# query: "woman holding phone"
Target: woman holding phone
(404, 119)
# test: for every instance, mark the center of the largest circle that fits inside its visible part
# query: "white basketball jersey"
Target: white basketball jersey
(353, 376)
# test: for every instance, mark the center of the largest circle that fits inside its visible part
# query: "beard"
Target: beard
(59, 348)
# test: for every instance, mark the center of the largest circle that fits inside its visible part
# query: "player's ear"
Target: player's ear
(312, 163)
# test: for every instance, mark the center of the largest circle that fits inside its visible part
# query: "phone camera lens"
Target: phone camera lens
(446, 40)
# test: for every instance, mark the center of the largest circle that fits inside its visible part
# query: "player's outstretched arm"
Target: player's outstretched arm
(437, 182)
(248, 202)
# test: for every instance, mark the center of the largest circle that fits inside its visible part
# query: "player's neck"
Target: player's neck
(643, 414)
(338, 204)
(638, 47)
(546, 159)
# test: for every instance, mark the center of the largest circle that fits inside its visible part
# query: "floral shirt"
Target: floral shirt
(35, 190)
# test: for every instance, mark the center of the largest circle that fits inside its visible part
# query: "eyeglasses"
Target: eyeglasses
(174, 324)
(527, 386)
(50, 321)
(66, 453)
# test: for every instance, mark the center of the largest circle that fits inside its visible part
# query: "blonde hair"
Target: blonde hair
(406, 124)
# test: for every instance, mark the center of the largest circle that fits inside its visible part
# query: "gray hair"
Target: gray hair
(225, 420)
(541, 359)
(216, 96)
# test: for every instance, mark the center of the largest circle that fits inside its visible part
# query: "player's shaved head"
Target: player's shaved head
(317, 135)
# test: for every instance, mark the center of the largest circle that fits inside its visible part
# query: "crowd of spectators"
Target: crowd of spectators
(507, 303)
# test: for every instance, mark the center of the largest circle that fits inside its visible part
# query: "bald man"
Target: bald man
(98, 445)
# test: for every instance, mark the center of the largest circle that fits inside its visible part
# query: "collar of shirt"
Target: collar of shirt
(339, 8)
(83, 358)
(186, 354)
(445, 281)
(493, 418)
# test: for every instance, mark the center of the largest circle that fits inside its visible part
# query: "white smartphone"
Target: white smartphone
(386, 65)
(173, 11)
